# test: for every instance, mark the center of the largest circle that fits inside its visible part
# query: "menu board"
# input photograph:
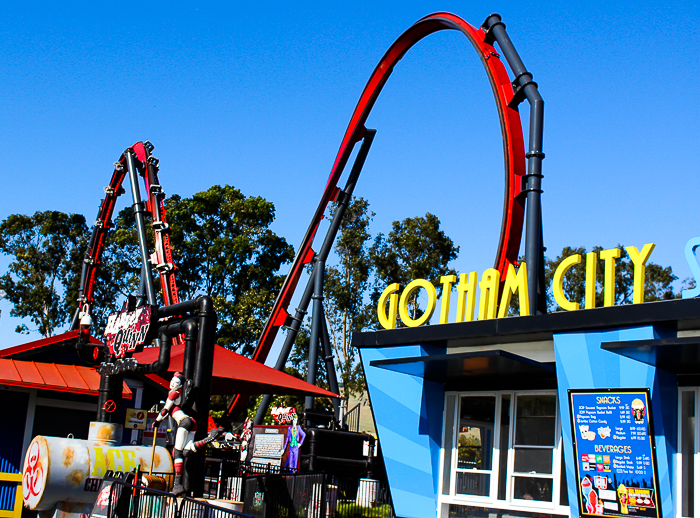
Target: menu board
(615, 452)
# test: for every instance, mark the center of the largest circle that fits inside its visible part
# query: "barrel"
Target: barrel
(59, 469)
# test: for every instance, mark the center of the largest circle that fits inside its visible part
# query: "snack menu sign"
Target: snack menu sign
(615, 453)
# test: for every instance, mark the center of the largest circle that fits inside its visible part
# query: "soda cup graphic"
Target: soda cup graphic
(623, 496)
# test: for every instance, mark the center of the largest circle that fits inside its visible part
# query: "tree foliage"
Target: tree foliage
(415, 248)
(224, 248)
(346, 289)
(43, 277)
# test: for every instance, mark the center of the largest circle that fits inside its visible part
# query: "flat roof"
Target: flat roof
(676, 315)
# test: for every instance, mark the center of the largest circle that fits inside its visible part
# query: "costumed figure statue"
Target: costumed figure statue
(185, 445)
(246, 436)
(295, 438)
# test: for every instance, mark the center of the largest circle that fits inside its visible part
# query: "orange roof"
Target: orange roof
(51, 376)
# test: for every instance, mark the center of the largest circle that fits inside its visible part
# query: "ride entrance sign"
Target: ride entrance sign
(615, 452)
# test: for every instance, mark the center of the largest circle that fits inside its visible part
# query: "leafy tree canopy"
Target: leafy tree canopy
(223, 247)
(43, 277)
(415, 248)
(346, 286)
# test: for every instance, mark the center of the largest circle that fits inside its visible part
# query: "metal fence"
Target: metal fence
(315, 496)
(118, 499)
(352, 418)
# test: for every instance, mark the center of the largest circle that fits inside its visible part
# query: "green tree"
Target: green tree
(658, 280)
(346, 287)
(224, 248)
(415, 248)
(42, 279)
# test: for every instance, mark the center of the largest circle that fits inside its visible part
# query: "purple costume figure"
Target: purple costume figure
(295, 438)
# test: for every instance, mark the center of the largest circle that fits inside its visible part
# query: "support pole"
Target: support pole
(292, 332)
(139, 211)
(343, 201)
(330, 367)
(526, 88)
(316, 331)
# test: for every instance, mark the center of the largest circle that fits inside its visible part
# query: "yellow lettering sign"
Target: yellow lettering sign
(388, 321)
(405, 297)
(515, 283)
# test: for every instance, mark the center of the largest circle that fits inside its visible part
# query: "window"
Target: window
(504, 449)
(477, 416)
(688, 462)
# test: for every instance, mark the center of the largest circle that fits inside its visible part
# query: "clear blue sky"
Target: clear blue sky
(259, 97)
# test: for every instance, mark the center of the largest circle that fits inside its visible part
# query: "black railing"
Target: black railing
(315, 496)
(352, 418)
(118, 499)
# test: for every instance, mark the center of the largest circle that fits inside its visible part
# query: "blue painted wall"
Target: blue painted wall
(581, 363)
(408, 412)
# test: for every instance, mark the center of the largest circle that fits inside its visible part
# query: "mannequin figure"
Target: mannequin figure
(295, 438)
(246, 436)
(185, 445)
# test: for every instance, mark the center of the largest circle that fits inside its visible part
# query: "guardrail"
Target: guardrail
(119, 499)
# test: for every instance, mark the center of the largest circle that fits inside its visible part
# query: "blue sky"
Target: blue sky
(259, 98)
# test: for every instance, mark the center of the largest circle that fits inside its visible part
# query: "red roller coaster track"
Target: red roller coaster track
(162, 257)
(514, 153)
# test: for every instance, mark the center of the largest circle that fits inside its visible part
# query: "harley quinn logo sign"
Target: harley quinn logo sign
(126, 330)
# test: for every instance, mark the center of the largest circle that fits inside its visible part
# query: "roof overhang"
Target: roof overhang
(676, 355)
(473, 366)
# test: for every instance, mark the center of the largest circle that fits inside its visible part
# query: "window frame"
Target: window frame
(494, 453)
(695, 455)
(510, 503)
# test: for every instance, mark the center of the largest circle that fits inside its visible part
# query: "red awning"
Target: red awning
(43, 343)
(51, 376)
(236, 374)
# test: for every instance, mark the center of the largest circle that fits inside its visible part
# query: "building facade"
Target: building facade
(588, 412)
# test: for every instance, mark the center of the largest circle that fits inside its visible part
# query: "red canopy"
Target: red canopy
(50, 376)
(236, 374)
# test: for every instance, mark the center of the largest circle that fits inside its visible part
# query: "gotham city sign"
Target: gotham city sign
(394, 303)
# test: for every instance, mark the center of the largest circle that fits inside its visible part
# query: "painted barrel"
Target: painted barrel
(59, 469)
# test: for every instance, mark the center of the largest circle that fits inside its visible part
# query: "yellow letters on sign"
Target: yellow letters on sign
(466, 297)
(388, 321)
(558, 283)
(489, 294)
(609, 257)
(406, 295)
(591, 278)
(515, 283)
(447, 281)
(639, 260)
(100, 465)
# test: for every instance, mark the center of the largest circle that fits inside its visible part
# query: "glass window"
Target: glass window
(477, 416)
(533, 446)
(447, 444)
(687, 450)
(535, 420)
(503, 448)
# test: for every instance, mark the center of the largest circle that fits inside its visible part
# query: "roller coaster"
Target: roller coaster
(522, 189)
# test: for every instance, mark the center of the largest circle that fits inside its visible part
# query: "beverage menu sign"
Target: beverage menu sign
(615, 452)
